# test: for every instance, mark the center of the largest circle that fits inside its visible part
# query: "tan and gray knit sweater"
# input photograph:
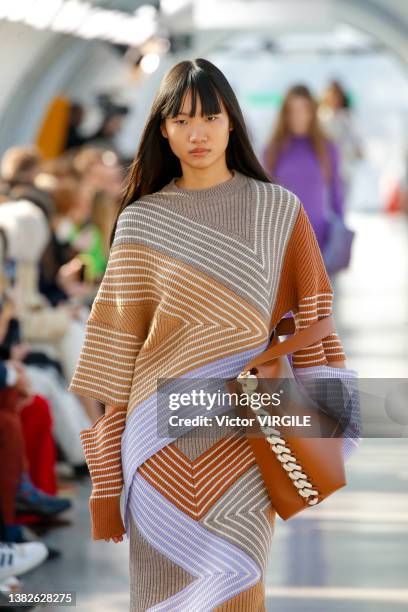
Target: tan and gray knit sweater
(194, 276)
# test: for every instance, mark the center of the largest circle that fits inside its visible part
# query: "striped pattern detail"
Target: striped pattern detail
(310, 310)
(106, 364)
(141, 438)
(194, 284)
(182, 334)
(171, 310)
(115, 333)
(338, 389)
(252, 599)
(102, 449)
(163, 222)
(245, 517)
(101, 444)
(241, 515)
(221, 572)
(194, 486)
(305, 289)
(147, 567)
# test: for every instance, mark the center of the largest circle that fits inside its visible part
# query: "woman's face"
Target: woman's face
(299, 115)
(198, 142)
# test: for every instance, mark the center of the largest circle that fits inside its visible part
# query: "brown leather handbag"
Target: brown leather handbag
(298, 471)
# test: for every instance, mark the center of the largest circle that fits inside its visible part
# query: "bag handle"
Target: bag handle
(301, 339)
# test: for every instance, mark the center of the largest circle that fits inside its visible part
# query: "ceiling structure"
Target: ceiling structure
(46, 61)
(131, 21)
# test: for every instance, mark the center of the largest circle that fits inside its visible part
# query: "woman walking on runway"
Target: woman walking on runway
(305, 161)
(207, 256)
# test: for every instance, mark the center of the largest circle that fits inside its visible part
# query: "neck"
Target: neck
(202, 178)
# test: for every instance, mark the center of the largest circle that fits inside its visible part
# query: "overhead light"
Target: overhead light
(145, 11)
(83, 19)
(41, 13)
(70, 16)
(169, 7)
(14, 10)
(150, 62)
(100, 24)
(134, 30)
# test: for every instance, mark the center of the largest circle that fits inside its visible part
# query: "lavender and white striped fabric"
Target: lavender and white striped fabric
(336, 390)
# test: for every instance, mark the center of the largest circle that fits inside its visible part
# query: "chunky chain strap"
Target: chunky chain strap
(249, 383)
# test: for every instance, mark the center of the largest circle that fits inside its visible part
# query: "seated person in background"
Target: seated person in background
(17, 491)
(67, 417)
(56, 332)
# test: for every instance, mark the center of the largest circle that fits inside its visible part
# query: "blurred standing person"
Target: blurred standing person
(112, 123)
(103, 176)
(335, 115)
(74, 138)
(302, 159)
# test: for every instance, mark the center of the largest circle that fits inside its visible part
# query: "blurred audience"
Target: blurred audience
(58, 332)
(55, 220)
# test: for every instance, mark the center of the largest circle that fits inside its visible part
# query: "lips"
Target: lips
(199, 151)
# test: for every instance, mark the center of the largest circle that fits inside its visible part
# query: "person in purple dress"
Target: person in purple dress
(302, 159)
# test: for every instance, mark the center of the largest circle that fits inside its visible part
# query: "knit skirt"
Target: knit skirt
(201, 525)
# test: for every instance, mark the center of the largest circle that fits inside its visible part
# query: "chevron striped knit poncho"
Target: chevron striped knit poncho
(196, 281)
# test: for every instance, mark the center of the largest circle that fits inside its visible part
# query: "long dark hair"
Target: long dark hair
(155, 164)
(282, 133)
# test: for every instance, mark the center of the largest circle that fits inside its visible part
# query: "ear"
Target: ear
(163, 130)
(231, 127)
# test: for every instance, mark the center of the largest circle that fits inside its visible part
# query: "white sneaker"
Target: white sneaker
(16, 559)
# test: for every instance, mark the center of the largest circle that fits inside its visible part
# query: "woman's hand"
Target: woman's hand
(70, 272)
(70, 281)
(115, 539)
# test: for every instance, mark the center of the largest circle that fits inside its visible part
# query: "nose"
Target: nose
(198, 134)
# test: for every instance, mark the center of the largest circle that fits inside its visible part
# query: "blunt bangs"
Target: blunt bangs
(199, 83)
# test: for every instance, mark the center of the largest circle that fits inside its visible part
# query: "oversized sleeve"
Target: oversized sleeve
(306, 291)
(115, 332)
(102, 449)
